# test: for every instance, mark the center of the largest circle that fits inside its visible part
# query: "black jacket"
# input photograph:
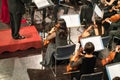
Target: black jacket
(17, 6)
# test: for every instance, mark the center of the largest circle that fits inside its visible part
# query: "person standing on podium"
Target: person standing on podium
(16, 10)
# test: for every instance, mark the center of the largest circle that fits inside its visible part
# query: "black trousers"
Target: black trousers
(15, 22)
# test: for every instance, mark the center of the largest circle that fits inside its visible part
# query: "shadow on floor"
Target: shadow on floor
(46, 74)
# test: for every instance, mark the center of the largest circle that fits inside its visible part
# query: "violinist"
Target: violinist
(59, 38)
(85, 62)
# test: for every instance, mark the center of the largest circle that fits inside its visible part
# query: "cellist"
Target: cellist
(112, 27)
(84, 62)
(114, 56)
(59, 38)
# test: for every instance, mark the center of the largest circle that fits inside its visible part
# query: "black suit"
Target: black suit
(16, 10)
(86, 13)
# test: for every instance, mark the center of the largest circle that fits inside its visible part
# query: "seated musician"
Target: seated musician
(116, 8)
(114, 56)
(112, 27)
(108, 6)
(56, 37)
(93, 30)
(85, 62)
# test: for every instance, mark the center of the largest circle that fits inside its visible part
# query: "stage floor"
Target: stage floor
(33, 39)
(28, 68)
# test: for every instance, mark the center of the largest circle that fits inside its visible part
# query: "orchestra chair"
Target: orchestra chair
(92, 76)
(106, 40)
(116, 39)
(63, 53)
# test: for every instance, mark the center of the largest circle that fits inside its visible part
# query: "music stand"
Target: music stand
(96, 40)
(113, 70)
(72, 20)
(43, 3)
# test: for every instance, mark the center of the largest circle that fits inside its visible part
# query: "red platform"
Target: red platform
(32, 39)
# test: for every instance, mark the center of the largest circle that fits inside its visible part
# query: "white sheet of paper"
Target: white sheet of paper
(113, 70)
(96, 40)
(98, 11)
(42, 3)
(72, 20)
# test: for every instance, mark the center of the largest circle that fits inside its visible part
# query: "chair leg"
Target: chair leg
(53, 69)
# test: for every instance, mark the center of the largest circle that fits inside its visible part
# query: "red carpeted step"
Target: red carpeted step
(7, 43)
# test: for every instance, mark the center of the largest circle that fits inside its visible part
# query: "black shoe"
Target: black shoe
(19, 37)
(43, 63)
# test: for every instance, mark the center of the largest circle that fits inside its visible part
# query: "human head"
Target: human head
(62, 23)
(89, 48)
(116, 78)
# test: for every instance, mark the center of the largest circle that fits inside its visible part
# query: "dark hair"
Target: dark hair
(62, 24)
(116, 78)
(99, 24)
(64, 31)
(89, 48)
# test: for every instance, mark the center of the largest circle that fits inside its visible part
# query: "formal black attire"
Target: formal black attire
(85, 65)
(16, 10)
(107, 13)
(86, 13)
(112, 30)
(57, 41)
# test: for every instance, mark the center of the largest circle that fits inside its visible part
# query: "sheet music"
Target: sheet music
(113, 70)
(96, 40)
(42, 3)
(98, 11)
(72, 20)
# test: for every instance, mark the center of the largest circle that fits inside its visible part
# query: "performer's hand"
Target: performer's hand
(117, 49)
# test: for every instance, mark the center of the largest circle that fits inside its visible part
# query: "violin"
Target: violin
(74, 58)
(54, 29)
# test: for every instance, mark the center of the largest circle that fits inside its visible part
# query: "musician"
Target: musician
(58, 7)
(116, 78)
(116, 8)
(57, 38)
(85, 18)
(85, 62)
(16, 10)
(112, 27)
(93, 30)
(114, 56)
(108, 5)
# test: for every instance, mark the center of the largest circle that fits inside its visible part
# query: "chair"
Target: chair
(63, 53)
(92, 76)
(106, 40)
(116, 40)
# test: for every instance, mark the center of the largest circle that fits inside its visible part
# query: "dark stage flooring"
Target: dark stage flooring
(28, 68)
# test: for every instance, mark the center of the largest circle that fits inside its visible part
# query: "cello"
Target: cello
(75, 58)
(54, 29)
(113, 18)
(109, 58)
